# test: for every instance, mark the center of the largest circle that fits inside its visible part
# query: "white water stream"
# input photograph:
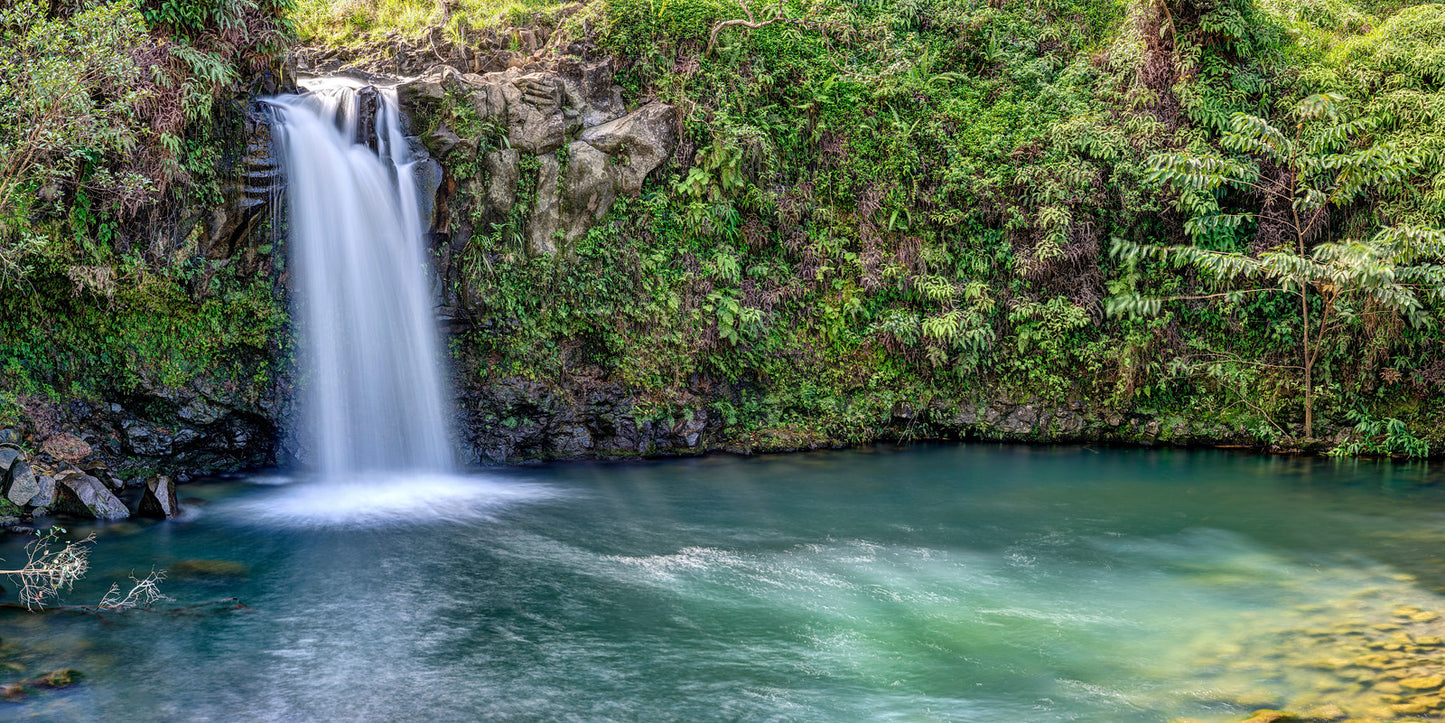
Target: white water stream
(374, 405)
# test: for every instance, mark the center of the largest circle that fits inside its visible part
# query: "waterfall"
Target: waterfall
(369, 347)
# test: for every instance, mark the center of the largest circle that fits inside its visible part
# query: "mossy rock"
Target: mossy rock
(1271, 716)
(1429, 682)
(57, 679)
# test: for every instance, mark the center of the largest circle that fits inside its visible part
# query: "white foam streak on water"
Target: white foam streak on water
(374, 401)
(382, 499)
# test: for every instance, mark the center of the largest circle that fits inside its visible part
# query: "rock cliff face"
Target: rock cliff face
(517, 420)
(548, 147)
(252, 197)
(514, 420)
(202, 427)
(207, 420)
(562, 132)
(553, 144)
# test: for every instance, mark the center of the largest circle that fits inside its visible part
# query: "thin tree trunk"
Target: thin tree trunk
(1308, 363)
(1304, 302)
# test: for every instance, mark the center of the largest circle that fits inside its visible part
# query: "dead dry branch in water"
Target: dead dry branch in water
(143, 594)
(48, 572)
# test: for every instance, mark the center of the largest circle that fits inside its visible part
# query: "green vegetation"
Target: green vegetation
(879, 209)
(357, 22)
(116, 123)
(1323, 168)
(881, 203)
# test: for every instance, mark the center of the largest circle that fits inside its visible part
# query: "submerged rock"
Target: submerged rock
(56, 679)
(207, 568)
(1429, 682)
(159, 499)
(80, 494)
(1270, 716)
(1327, 712)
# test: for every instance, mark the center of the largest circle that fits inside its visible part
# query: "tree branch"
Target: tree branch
(98, 611)
(750, 22)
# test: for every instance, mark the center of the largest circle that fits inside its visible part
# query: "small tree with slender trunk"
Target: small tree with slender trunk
(1321, 165)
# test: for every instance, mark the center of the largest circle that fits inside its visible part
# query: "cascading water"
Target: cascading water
(374, 403)
(374, 414)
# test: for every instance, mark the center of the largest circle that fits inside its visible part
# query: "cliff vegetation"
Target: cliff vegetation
(1191, 221)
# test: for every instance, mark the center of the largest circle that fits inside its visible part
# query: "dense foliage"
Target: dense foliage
(355, 22)
(116, 121)
(1396, 275)
(910, 203)
(878, 206)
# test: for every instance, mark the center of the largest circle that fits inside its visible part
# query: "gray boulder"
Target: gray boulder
(609, 159)
(8, 455)
(159, 499)
(46, 496)
(587, 190)
(421, 91)
(442, 141)
(79, 494)
(20, 485)
(486, 95)
(602, 100)
(106, 477)
(640, 140)
(547, 214)
(535, 122)
(502, 177)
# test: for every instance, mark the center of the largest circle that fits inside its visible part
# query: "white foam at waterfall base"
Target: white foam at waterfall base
(381, 499)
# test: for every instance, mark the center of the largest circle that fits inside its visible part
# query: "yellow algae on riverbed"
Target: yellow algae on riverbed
(1427, 683)
(1345, 655)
